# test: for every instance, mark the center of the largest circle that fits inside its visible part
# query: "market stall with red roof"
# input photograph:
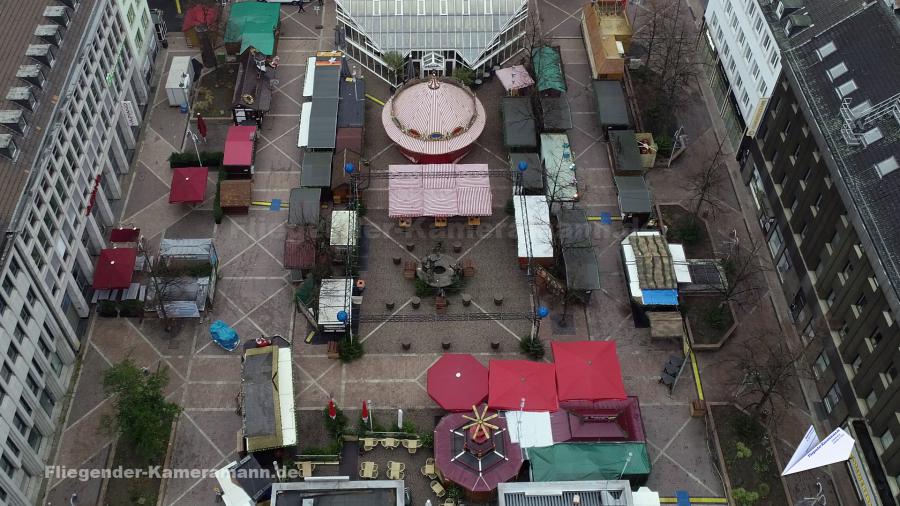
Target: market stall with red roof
(474, 452)
(587, 370)
(188, 185)
(517, 382)
(457, 382)
(439, 190)
(114, 268)
(237, 159)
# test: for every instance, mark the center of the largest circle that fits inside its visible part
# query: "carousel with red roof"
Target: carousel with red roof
(433, 121)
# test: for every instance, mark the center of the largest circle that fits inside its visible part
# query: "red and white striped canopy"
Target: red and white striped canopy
(441, 190)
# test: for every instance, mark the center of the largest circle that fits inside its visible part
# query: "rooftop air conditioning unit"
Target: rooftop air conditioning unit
(59, 14)
(41, 53)
(32, 74)
(635, 63)
(73, 4)
(8, 146)
(51, 34)
(14, 120)
(22, 96)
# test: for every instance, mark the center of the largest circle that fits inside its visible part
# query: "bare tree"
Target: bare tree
(743, 272)
(705, 184)
(671, 60)
(769, 370)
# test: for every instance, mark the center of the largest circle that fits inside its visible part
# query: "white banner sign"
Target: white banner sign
(834, 448)
(129, 111)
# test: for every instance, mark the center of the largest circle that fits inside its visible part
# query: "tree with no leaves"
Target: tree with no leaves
(769, 368)
(743, 272)
(704, 185)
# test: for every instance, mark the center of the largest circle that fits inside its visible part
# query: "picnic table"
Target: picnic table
(395, 470)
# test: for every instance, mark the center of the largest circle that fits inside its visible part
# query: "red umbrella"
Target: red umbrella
(114, 268)
(201, 126)
(457, 382)
(332, 409)
(588, 370)
(517, 382)
(188, 184)
(365, 411)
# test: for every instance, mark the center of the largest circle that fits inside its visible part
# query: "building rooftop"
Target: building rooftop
(562, 493)
(17, 33)
(848, 73)
(339, 492)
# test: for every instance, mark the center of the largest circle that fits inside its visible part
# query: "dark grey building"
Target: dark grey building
(822, 170)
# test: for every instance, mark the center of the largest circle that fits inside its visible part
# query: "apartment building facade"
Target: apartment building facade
(822, 171)
(77, 86)
(743, 63)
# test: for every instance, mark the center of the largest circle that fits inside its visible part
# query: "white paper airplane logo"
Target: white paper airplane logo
(812, 453)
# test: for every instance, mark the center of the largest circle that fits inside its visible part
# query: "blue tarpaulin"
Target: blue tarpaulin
(660, 297)
(224, 335)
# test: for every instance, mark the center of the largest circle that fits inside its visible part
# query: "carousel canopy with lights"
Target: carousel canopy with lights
(474, 451)
(434, 121)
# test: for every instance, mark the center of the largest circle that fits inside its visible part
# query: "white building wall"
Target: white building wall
(748, 51)
(45, 279)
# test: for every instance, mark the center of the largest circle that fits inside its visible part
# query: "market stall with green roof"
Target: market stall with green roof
(253, 24)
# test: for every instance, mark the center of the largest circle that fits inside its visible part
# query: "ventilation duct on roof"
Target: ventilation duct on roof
(73, 4)
(22, 96)
(51, 34)
(786, 7)
(8, 146)
(14, 120)
(32, 74)
(41, 53)
(59, 14)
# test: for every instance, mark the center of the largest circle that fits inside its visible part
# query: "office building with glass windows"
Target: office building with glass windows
(76, 75)
(433, 36)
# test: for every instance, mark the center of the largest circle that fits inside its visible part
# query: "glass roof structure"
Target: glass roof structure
(467, 26)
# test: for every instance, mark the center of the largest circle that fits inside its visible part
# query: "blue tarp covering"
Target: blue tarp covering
(660, 297)
(224, 335)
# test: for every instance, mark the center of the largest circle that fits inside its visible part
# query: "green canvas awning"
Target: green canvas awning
(589, 461)
(253, 24)
(548, 69)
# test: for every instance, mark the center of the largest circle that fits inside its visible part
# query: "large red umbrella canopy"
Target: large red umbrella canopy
(513, 382)
(475, 464)
(457, 382)
(114, 268)
(188, 184)
(588, 370)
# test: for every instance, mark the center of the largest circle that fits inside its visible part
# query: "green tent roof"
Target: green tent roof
(588, 461)
(548, 69)
(253, 24)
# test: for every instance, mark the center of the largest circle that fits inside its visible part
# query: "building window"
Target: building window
(784, 265)
(776, 241)
(12, 447)
(890, 374)
(871, 399)
(35, 438)
(856, 364)
(821, 364)
(443, 7)
(420, 7)
(20, 424)
(887, 439)
(830, 299)
(874, 340)
(7, 466)
(831, 399)
(5, 372)
(488, 6)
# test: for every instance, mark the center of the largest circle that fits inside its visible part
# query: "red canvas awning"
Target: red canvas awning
(477, 466)
(588, 370)
(114, 268)
(239, 146)
(457, 382)
(511, 381)
(124, 234)
(188, 184)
